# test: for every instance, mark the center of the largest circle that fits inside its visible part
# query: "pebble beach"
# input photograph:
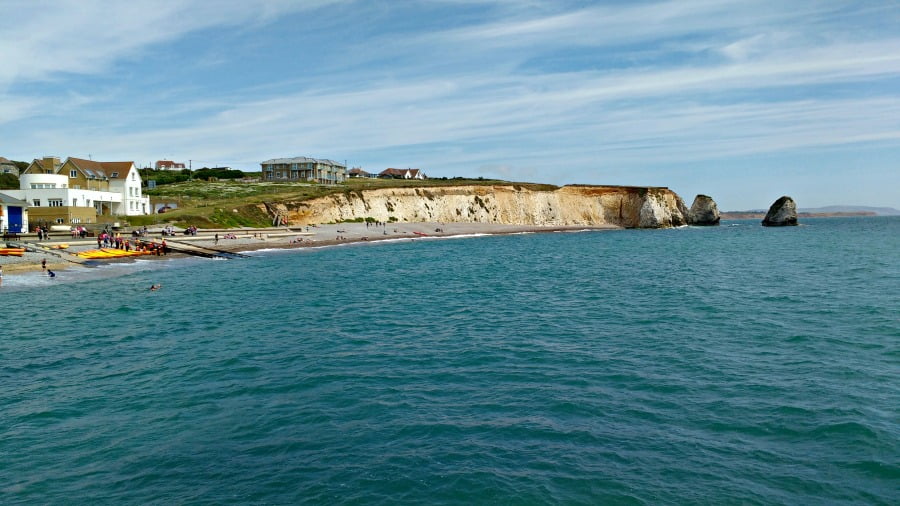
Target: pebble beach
(267, 238)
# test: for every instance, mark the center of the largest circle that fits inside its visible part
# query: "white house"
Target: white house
(169, 165)
(78, 191)
(402, 174)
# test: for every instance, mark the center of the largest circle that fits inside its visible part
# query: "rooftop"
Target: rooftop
(302, 159)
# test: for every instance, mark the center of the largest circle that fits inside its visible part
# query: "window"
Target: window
(133, 176)
(130, 191)
(55, 202)
(76, 220)
(73, 173)
(77, 187)
(36, 202)
(114, 174)
(87, 202)
(75, 202)
(60, 221)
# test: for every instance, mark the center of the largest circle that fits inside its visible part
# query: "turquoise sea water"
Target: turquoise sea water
(728, 365)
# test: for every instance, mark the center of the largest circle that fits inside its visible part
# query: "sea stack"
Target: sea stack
(782, 213)
(704, 211)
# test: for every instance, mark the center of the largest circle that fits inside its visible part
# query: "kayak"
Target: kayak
(106, 253)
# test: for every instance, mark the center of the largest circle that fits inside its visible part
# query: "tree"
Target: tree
(9, 182)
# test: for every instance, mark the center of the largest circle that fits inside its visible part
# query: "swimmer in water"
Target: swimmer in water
(154, 288)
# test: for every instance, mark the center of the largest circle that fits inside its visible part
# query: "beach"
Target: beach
(248, 239)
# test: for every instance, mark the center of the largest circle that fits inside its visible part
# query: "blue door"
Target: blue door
(15, 219)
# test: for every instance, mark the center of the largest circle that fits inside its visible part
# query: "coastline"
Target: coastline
(287, 238)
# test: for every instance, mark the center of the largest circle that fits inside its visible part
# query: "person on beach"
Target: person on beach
(217, 239)
(44, 264)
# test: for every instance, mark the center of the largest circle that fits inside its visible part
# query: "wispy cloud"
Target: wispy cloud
(44, 40)
(508, 88)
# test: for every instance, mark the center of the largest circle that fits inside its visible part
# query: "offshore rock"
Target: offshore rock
(782, 213)
(510, 204)
(704, 211)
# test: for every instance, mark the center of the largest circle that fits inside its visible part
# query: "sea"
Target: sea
(724, 365)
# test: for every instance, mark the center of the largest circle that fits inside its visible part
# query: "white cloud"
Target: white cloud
(693, 80)
(41, 40)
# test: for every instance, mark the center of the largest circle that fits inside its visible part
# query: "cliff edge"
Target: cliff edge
(623, 206)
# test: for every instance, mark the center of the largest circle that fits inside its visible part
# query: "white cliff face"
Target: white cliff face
(629, 207)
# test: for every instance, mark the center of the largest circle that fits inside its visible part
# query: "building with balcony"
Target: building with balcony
(79, 191)
(302, 168)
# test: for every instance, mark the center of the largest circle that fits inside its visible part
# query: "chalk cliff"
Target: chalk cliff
(624, 206)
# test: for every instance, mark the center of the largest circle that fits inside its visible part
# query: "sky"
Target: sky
(744, 101)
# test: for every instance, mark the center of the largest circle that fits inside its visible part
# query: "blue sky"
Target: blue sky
(744, 101)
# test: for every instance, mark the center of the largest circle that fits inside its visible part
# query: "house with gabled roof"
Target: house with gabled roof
(169, 165)
(402, 174)
(79, 191)
(8, 167)
(357, 172)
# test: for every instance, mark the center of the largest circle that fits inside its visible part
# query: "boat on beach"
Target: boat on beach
(109, 253)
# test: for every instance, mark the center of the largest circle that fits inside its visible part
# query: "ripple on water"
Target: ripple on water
(564, 368)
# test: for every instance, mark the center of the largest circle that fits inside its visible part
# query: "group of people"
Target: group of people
(45, 270)
(78, 232)
(43, 232)
(152, 247)
(106, 240)
(138, 232)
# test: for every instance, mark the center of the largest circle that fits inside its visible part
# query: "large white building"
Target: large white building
(79, 191)
(301, 168)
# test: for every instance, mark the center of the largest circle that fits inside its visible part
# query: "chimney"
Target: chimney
(51, 163)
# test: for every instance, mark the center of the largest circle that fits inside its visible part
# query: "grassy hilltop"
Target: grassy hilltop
(235, 204)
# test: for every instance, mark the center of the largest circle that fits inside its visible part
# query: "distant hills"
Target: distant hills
(879, 211)
(827, 211)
